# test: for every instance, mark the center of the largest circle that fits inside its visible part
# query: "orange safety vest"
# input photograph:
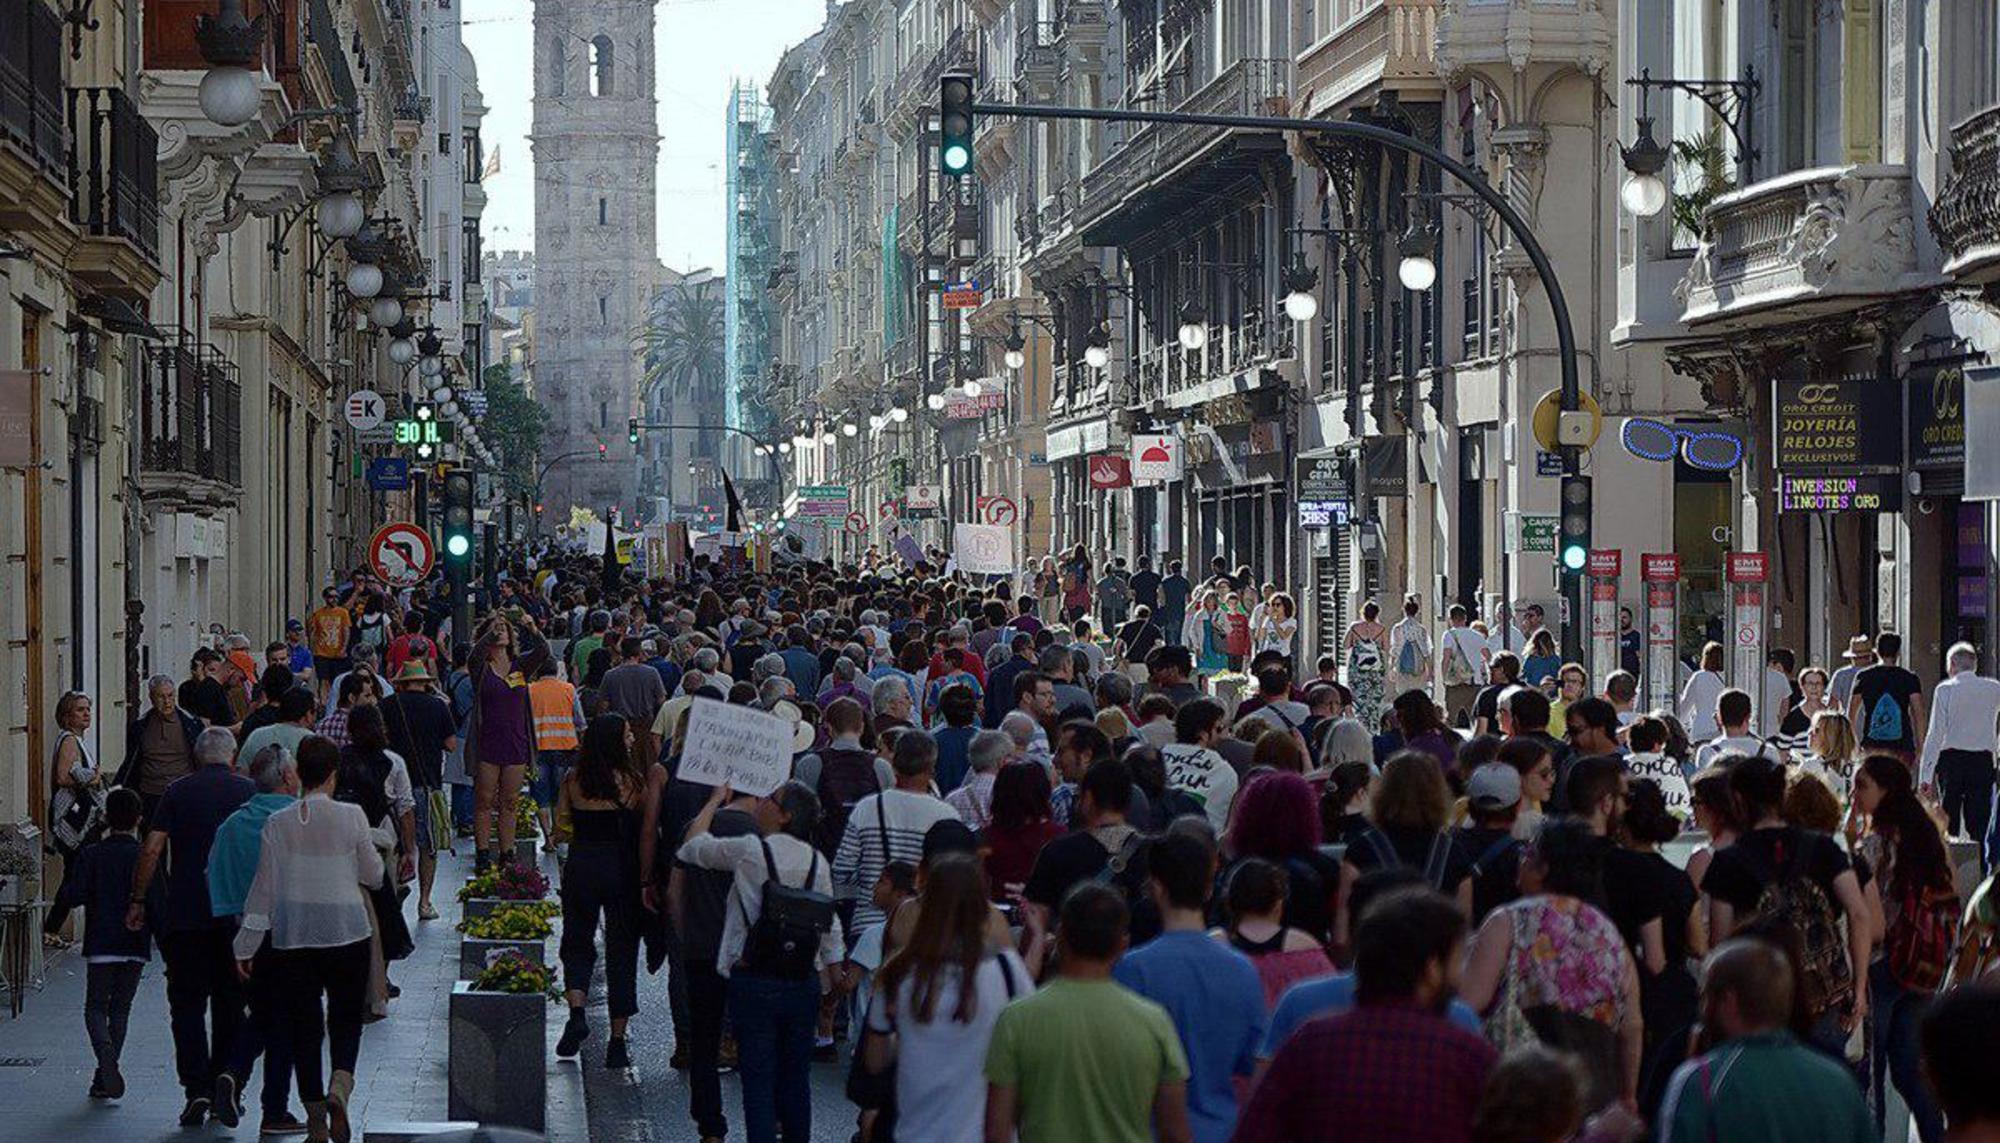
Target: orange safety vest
(554, 705)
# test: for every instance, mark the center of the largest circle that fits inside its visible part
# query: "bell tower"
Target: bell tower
(596, 147)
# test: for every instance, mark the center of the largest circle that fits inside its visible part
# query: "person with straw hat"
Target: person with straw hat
(422, 730)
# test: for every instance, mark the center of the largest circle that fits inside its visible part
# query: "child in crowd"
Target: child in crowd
(114, 956)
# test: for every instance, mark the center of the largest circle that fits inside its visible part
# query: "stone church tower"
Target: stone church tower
(596, 146)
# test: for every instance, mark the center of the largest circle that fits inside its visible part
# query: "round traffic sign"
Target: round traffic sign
(365, 409)
(1001, 510)
(1546, 419)
(857, 524)
(401, 553)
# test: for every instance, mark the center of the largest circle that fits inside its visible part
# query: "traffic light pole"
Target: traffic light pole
(770, 450)
(1572, 582)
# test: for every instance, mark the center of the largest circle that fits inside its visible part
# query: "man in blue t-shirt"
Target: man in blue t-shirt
(1209, 989)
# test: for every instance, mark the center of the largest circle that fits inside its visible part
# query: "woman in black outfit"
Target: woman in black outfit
(1668, 996)
(365, 768)
(602, 801)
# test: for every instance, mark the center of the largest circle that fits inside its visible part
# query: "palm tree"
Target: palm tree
(683, 341)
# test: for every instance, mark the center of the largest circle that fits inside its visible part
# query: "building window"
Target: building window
(603, 308)
(558, 64)
(600, 66)
(604, 414)
(602, 212)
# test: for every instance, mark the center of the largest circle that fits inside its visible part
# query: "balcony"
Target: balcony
(1807, 244)
(1165, 168)
(1966, 216)
(116, 199)
(32, 138)
(1037, 59)
(190, 422)
(1389, 44)
(1170, 375)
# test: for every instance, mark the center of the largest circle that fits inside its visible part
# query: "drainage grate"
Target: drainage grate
(23, 1061)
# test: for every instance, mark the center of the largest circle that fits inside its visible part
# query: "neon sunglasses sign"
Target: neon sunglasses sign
(1708, 449)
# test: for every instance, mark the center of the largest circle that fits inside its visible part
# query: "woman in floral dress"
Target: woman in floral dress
(1367, 648)
(1552, 967)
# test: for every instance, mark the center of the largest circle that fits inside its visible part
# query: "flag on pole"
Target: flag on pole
(733, 521)
(492, 164)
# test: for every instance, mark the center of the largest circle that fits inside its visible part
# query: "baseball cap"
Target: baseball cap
(294, 625)
(1494, 786)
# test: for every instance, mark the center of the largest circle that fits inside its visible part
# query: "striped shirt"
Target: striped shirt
(860, 859)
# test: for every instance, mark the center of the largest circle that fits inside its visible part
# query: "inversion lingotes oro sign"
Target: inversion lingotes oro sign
(1834, 426)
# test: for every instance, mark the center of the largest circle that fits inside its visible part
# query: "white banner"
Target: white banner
(983, 549)
(742, 746)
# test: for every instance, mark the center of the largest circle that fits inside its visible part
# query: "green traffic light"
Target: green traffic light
(457, 544)
(1574, 557)
(957, 160)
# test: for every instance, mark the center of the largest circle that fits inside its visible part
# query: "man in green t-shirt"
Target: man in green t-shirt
(1085, 1057)
(580, 651)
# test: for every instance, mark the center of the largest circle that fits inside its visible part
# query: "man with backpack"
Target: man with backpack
(1106, 848)
(1802, 880)
(1492, 803)
(1462, 653)
(1887, 709)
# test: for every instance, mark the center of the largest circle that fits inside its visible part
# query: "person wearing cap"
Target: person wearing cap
(1860, 655)
(422, 730)
(1492, 803)
(298, 656)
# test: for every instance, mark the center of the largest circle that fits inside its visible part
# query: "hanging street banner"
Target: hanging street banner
(823, 500)
(983, 549)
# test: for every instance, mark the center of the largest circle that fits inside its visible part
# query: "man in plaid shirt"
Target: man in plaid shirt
(1394, 1068)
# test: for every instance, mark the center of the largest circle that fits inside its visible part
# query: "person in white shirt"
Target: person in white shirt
(1462, 657)
(1648, 739)
(317, 858)
(1699, 696)
(1194, 768)
(1775, 701)
(775, 1014)
(1410, 652)
(1732, 714)
(1528, 619)
(890, 826)
(1958, 749)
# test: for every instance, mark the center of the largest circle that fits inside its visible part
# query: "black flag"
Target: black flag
(734, 520)
(614, 577)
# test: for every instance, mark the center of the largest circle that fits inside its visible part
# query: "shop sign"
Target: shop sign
(1323, 490)
(963, 296)
(1982, 422)
(1156, 457)
(924, 499)
(1387, 459)
(1819, 426)
(1868, 492)
(1937, 416)
(963, 408)
(1109, 471)
(1604, 563)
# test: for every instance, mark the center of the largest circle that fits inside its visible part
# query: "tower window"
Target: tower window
(600, 65)
(602, 212)
(558, 63)
(603, 308)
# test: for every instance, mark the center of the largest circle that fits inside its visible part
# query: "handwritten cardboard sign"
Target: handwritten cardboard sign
(739, 745)
(983, 549)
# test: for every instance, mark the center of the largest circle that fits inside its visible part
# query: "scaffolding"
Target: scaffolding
(752, 255)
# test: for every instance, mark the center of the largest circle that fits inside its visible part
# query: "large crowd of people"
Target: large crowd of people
(1183, 880)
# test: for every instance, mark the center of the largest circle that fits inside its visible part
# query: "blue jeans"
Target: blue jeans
(461, 807)
(1897, 1054)
(550, 766)
(774, 1021)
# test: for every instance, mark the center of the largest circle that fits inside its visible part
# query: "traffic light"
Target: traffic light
(603, 450)
(632, 429)
(955, 124)
(458, 519)
(1573, 536)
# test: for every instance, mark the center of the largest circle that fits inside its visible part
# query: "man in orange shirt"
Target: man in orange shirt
(327, 632)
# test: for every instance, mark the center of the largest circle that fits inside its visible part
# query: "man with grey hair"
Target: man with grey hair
(1030, 740)
(232, 865)
(1958, 750)
(707, 661)
(767, 666)
(204, 994)
(365, 659)
(892, 703)
(774, 690)
(973, 800)
(159, 745)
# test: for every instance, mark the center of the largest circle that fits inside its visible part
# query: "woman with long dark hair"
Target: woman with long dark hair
(1021, 825)
(936, 999)
(1903, 846)
(378, 780)
(602, 801)
(1668, 997)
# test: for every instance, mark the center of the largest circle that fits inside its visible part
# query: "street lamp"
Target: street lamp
(1418, 269)
(1097, 347)
(971, 387)
(431, 367)
(849, 429)
(364, 280)
(935, 402)
(827, 437)
(402, 351)
(784, 448)
(1644, 192)
(1194, 327)
(229, 44)
(386, 310)
(899, 414)
(340, 215)
(1015, 344)
(1300, 280)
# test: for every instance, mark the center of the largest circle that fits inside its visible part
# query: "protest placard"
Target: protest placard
(983, 549)
(739, 745)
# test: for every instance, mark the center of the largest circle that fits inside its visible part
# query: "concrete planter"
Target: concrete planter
(498, 1052)
(527, 851)
(474, 951)
(480, 906)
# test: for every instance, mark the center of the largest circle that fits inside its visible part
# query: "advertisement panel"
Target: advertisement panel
(1829, 426)
(1661, 573)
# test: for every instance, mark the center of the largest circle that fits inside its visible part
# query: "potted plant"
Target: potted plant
(498, 1043)
(18, 875)
(511, 882)
(527, 830)
(520, 928)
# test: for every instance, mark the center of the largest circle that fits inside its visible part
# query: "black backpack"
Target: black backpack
(845, 777)
(784, 939)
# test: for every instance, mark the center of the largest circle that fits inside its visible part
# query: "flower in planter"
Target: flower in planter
(509, 971)
(524, 922)
(480, 885)
(516, 882)
(526, 824)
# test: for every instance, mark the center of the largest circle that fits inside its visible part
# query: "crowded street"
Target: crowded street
(1032, 571)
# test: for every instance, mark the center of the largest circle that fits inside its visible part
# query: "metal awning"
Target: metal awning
(118, 316)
